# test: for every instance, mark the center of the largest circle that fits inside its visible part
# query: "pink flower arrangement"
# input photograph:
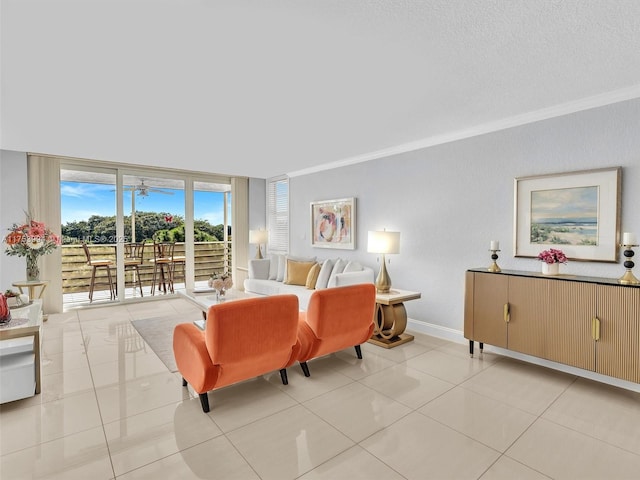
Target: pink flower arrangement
(30, 239)
(552, 256)
(222, 282)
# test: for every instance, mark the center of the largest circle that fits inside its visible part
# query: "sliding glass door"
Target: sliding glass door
(88, 215)
(120, 215)
(153, 213)
(211, 230)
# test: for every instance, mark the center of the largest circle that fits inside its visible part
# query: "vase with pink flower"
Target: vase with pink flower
(31, 240)
(551, 260)
(221, 283)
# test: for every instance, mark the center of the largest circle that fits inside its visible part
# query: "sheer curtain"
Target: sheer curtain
(239, 230)
(43, 175)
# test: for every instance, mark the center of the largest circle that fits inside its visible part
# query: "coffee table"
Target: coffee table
(205, 298)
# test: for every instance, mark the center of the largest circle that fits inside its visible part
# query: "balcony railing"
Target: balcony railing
(210, 257)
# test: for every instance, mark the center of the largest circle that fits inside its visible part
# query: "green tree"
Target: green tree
(160, 226)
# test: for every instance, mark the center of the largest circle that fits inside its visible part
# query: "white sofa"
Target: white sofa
(273, 275)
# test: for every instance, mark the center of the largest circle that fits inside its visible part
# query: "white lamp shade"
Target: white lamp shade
(383, 242)
(258, 236)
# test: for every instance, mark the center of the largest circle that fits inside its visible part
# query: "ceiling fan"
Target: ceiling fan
(144, 190)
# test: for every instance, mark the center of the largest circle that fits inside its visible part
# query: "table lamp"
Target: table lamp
(383, 242)
(258, 237)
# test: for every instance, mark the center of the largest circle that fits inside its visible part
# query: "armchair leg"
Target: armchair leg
(283, 376)
(305, 369)
(184, 382)
(204, 401)
(358, 351)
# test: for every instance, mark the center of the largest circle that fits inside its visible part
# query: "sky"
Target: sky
(81, 200)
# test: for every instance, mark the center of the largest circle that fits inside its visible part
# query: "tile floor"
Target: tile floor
(109, 408)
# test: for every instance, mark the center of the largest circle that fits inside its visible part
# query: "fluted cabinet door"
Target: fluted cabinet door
(618, 348)
(572, 307)
(490, 294)
(529, 311)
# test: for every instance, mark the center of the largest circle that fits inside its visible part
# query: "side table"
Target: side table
(390, 318)
(32, 285)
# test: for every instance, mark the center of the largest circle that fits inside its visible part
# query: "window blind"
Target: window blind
(278, 214)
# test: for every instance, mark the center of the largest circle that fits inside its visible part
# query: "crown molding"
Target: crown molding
(562, 109)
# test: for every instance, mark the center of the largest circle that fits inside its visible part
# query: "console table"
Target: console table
(390, 318)
(591, 323)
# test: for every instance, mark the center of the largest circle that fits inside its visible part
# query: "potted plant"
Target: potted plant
(551, 260)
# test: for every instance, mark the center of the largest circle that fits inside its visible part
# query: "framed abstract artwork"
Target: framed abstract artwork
(333, 223)
(578, 212)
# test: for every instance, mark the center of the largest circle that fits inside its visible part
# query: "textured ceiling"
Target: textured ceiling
(261, 88)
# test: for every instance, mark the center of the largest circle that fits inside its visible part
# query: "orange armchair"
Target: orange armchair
(337, 318)
(242, 339)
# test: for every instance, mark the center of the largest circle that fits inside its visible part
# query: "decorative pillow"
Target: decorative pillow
(338, 267)
(312, 277)
(325, 273)
(353, 267)
(296, 259)
(281, 264)
(273, 266)
(297, 272)
(259, 268)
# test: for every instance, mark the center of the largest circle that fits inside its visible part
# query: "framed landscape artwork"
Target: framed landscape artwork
(577, 212)
(333, 223)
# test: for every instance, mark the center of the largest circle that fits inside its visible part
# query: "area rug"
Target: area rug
(158, 333)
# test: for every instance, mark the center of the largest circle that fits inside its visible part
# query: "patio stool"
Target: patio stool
(178, 261)
(162, 264)
(133, 257)
(102, 263)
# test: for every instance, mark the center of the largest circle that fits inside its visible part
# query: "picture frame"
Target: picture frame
(576, 212)
(333, 223)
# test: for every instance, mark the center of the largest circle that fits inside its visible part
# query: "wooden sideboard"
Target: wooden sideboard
(587, 322)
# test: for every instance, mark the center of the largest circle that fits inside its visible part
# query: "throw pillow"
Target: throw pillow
(281, 264)
(353, 267)
(297, 272)
(337, 268)
(273, 266)
(296, 259)
(312, 278)
(325, 273)
(259, 268)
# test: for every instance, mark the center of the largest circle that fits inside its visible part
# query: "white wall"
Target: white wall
(451, 200)
(13, 205)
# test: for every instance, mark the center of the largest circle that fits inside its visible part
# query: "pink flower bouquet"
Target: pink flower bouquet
(552, 256)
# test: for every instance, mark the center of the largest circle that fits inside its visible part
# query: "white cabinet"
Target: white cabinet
(20, 354)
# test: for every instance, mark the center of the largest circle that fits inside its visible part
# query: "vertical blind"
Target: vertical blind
(278, 214)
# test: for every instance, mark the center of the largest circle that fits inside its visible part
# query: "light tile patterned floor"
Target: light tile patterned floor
(110, 409)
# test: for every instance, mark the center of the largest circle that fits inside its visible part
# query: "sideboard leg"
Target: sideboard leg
(471, 348)
(481, 347)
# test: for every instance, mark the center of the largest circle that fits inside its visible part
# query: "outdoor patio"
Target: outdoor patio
(210, 257)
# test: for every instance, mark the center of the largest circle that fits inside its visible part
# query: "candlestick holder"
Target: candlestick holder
(628, 278)
(494, 266)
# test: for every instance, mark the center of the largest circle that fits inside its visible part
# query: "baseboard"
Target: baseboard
(438, 331)
(457, 336)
